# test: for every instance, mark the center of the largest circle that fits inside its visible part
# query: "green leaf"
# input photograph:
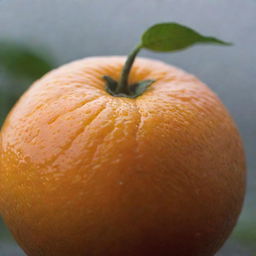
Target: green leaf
(168, 37)
(22, 61)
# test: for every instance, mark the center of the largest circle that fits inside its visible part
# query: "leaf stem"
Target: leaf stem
(123, 82)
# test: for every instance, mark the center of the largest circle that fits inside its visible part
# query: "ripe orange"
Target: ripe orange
(86, 173)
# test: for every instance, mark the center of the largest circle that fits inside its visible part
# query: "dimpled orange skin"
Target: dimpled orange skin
(84, 173)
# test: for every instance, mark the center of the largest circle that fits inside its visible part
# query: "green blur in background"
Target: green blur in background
(20, 65)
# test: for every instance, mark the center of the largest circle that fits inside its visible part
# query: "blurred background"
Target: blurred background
(38, 35)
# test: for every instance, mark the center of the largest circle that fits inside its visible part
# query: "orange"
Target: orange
(84, 173)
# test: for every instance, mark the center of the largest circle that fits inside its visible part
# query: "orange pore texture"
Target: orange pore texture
(85, 173)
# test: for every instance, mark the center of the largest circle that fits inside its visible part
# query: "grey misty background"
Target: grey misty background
(70, 30)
